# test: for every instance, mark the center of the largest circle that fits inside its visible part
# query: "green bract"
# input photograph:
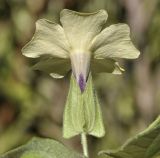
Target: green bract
(80, 44)
(82, 111)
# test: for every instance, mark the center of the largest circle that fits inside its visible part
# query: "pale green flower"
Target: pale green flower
(80, 44)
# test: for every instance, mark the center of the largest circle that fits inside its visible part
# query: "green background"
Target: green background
(32, 103)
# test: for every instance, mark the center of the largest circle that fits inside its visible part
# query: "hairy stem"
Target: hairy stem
(84, 145)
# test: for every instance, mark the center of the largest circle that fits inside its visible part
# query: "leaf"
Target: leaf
(144, 145)
(41, 148)
(82, 111)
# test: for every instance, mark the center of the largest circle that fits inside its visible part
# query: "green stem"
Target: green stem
(84, 145)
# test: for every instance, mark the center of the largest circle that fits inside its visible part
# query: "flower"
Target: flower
(80, 44)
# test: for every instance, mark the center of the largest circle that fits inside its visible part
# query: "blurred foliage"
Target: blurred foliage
(41, 148)
(32, 103)
(145, 144)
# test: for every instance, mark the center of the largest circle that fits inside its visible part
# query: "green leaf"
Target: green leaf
(114, 42)
(41, 148)
(82, 111)
(144, 145)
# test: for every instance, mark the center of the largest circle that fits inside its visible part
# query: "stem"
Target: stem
(84, 145)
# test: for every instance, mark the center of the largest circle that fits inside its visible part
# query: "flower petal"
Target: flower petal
(114, 42)
(49, 38)
(81, 28)
(56, 67)
(105, 66)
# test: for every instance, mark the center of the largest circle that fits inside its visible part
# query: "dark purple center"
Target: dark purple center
(82, 82)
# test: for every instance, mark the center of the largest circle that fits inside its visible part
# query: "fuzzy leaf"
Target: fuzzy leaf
(41, 148)
(82, 111)
(144, 145)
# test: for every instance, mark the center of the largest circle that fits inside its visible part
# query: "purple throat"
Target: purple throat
(81, 82)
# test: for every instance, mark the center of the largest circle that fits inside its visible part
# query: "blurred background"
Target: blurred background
(32, 103)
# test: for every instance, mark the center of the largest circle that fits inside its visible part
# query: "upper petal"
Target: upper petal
(114, 42)
(49, 39)
(81, 28)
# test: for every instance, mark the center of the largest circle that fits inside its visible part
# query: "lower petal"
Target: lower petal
(56, 67)
(105, 66)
